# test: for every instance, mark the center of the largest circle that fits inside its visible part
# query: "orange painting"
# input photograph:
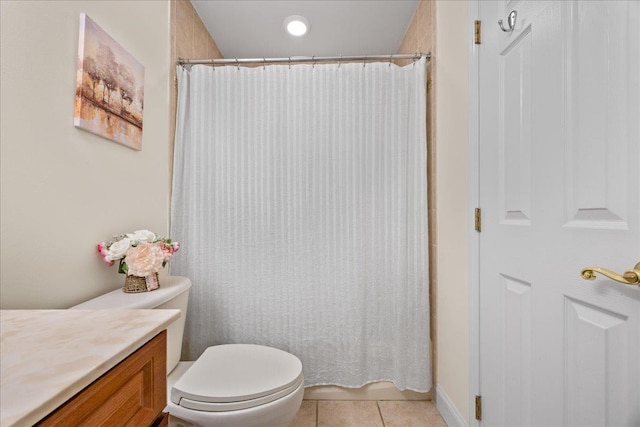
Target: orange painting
(109, 87)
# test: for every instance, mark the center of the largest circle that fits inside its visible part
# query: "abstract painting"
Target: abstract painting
(109, 87)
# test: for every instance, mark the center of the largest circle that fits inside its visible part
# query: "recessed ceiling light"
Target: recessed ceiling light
(296, 25)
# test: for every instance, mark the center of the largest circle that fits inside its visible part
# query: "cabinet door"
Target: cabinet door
(133, 393)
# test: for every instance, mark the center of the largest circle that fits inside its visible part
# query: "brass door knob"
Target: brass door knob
(631, 277)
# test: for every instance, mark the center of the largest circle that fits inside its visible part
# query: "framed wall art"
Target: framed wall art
(109, 87)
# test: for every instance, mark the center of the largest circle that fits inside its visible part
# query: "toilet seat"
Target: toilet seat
(237, 376)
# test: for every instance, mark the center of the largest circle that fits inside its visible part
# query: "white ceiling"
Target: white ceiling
(254, 29)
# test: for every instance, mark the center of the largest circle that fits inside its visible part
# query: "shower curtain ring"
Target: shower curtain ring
(340, 61)
(364, 61)
(237, 64)
(289, 62)
(264, 63)
(390, 56)
(313, 58)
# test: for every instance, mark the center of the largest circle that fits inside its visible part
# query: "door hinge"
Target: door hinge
(476, 31)
(478, 220)
(478, 408)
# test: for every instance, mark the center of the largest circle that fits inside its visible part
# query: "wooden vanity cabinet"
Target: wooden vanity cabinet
(133, 393)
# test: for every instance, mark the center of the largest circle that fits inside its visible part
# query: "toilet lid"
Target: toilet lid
(237, 376)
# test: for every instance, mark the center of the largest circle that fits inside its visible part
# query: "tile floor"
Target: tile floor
(338, 413)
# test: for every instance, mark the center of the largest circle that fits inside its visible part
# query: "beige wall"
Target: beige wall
(64, 189)
(453, 213)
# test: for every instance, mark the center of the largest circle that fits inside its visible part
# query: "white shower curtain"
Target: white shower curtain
(299, 198)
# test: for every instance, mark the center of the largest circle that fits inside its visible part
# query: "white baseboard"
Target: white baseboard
(447, 409)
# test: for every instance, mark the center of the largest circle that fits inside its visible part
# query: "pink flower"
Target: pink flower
(144, 259)
(167, 250)
(102, 249)
(176, 246)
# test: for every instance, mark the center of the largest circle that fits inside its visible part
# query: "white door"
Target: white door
(559, 131)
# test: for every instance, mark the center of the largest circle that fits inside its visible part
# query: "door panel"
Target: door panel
(559, 125)
(597, 43)
(514, 83)
(596, 357)
(517, 323)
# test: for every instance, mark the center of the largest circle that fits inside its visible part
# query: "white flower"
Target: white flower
(118, 249)
(142, 236)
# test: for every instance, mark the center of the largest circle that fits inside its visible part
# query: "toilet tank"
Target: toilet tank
(172, 294)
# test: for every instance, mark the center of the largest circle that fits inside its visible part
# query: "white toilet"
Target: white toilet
(234, 385)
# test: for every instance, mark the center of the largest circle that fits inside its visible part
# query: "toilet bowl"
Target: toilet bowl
(236, 385)
(232, 385)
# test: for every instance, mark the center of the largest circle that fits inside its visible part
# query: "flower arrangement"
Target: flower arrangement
(141, 253)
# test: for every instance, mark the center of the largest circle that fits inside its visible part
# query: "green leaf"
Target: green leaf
(122, 267)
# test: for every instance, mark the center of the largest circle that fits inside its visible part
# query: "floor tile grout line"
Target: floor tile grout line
(395, 409)
(380, 412)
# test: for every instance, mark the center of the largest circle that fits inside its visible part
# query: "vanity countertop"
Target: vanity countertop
(47, 356)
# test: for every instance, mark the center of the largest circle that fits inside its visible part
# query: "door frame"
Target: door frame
(473, 188)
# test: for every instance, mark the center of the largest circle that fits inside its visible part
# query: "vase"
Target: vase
(136, 284)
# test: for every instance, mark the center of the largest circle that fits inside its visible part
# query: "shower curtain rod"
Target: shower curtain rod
(290, 59)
